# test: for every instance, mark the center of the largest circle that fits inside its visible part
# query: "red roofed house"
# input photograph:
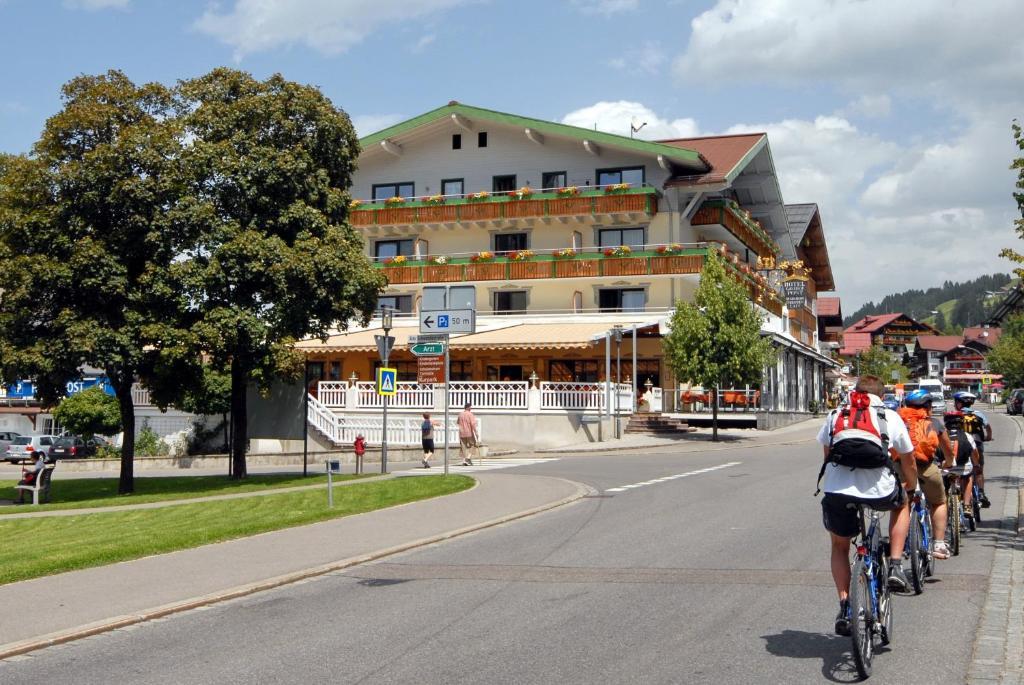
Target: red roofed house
(896, 333)
(928, 353)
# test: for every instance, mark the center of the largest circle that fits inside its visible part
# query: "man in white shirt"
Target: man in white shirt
(877, 488)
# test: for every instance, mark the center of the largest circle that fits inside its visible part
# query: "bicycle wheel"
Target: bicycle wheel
(884, 599)
(976, 505)
(926, 544)
(861, 618)
(953, 528)
(914, 542)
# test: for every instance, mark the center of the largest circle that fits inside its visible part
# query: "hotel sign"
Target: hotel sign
(795, 292)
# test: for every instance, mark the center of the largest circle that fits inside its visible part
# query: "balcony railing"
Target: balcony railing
(502, 206)
(747, 230)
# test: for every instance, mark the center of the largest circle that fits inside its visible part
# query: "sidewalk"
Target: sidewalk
(68, 606)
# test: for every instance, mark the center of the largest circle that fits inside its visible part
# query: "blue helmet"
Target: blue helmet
(918, 398)
(965, 398)
(891, 404)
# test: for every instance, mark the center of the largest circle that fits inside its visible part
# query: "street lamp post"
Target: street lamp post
(386, 319)
(618, 376)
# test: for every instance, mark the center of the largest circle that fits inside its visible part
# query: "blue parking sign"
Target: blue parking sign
(442, 321)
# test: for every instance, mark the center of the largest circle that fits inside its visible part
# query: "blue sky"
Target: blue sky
(894, 117)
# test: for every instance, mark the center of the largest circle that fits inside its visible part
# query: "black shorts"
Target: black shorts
(842, 520)
(428, 444)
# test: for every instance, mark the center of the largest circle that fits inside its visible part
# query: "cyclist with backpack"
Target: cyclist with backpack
(977, 425)
(858, 469)
(928, 436)
(964, 454)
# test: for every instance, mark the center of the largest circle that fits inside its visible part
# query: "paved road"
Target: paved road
(697, 567)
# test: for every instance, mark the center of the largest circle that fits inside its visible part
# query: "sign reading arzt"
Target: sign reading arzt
(427, 349)
(448, 321)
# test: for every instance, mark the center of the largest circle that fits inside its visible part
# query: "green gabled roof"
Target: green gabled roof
(682, 156)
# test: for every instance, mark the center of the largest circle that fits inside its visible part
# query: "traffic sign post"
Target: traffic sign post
(448, 321)
(387, 382)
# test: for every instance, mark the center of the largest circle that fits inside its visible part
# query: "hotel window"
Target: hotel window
(460, 371)
(503, 184)
(400, 303)
(481, 139)
(453, 186)
(621, 299)
(508, 242)
(613, 237)
(382, 191)
(456, 141)
(573, 371)
(553, 179)
(633, 175)
(382, 249)
(507, 301)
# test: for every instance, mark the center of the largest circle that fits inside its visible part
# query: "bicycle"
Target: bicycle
(919, 542)
(975, 505)
(954, 507)
(870, 598)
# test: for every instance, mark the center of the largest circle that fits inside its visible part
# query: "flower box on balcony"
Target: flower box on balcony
(570, 206)
(577, 268)
(436, 214)
(402, 274)
(396, 215)
(608, 204)
(624, 266)
(442, 273)
(677, 264)
(362, 217)
(480, 211)
(485, 271)
(524, 208)
(523, 270)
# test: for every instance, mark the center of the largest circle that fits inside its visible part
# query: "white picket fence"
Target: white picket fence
(342, 430)
(408, 395)
(489, 395)
(566, 396)
(332, 393)
(140, 396)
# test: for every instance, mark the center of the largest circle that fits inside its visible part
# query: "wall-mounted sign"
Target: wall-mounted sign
(795, 292)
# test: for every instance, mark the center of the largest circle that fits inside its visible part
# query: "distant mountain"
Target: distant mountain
(958, 304)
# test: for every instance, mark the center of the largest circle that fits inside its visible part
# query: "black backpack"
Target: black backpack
(857, 453)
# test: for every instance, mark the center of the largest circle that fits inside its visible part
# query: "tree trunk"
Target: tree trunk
(123, 389)
(239, 420)
(714, 414)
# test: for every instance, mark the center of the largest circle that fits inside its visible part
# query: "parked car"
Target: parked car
(1015, 401)
(25, 446)
(6, 438)
(72, 447)
(890, 400)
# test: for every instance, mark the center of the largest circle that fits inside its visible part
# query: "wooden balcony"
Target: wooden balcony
(631, 204)
(735, 220)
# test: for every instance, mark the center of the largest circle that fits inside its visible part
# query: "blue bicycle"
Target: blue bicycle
(919, 543)
(870, 599)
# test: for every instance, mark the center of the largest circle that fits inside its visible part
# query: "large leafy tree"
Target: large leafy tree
(268, 165)
(877, 361)
(717, 339)
(1018, 195)
(87, 238)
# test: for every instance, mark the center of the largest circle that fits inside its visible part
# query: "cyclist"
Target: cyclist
(977, 424)
(928, 434)
(965, 453)
(858, 432)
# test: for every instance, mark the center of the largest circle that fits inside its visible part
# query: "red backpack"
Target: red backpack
(854, 440)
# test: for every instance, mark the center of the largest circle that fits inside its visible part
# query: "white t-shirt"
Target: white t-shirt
(865, 483)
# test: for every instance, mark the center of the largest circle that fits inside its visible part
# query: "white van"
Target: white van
(934, 386)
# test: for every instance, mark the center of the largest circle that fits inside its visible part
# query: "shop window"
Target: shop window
(460, 370)
(573, 371)
(506, 372)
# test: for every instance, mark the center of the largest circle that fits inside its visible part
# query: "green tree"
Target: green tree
(940, 322)
(717, 338)
(1018, 195)
(877, 361)
(89, 412)
(269, 166)
(88, 236)
(1007, 357)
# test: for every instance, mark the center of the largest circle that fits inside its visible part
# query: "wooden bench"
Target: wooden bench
(41, 485)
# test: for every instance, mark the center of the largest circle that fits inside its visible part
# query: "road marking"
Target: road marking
(663, 479)
(454, 466)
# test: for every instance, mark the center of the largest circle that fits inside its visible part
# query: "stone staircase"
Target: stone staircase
(656, 424)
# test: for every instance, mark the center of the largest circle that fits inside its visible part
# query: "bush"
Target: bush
(108, 452)
(89, 412)
(149, 444)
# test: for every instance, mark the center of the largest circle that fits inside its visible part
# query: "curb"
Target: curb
(25, 646)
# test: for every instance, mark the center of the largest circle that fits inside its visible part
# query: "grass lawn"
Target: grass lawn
(76, 493)
(85, 540)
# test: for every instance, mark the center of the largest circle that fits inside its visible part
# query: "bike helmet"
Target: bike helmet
(918, 398)
(965, 398)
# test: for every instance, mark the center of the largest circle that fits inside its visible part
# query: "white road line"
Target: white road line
(454, 466)
(663, 479)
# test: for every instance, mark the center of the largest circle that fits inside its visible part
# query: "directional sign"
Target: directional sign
(430, 369)
(448, 321)
(985, 380)
(427, 349)
(384, 345)
(428, 338)
(387, 381)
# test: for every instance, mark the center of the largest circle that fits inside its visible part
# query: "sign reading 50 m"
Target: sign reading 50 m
(448, 321)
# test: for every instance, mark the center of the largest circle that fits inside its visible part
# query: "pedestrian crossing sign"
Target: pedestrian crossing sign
(386, 381)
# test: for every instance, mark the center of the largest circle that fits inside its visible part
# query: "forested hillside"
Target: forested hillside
(957, 304)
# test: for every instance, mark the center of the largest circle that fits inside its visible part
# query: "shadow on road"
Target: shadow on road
(834, 651)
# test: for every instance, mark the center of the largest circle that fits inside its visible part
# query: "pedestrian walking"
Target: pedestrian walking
(360, 449)
(468, 436)
(427, 428)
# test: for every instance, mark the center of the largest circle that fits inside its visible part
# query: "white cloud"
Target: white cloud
(919, 45)
(616, 117)
(870, 106)
(365, 124)
(93, 5)
(423, 42)
(649, 59)
(606, 7)
(327, 26)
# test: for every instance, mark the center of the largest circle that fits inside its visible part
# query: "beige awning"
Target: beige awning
(535, 336)
(356, 341)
